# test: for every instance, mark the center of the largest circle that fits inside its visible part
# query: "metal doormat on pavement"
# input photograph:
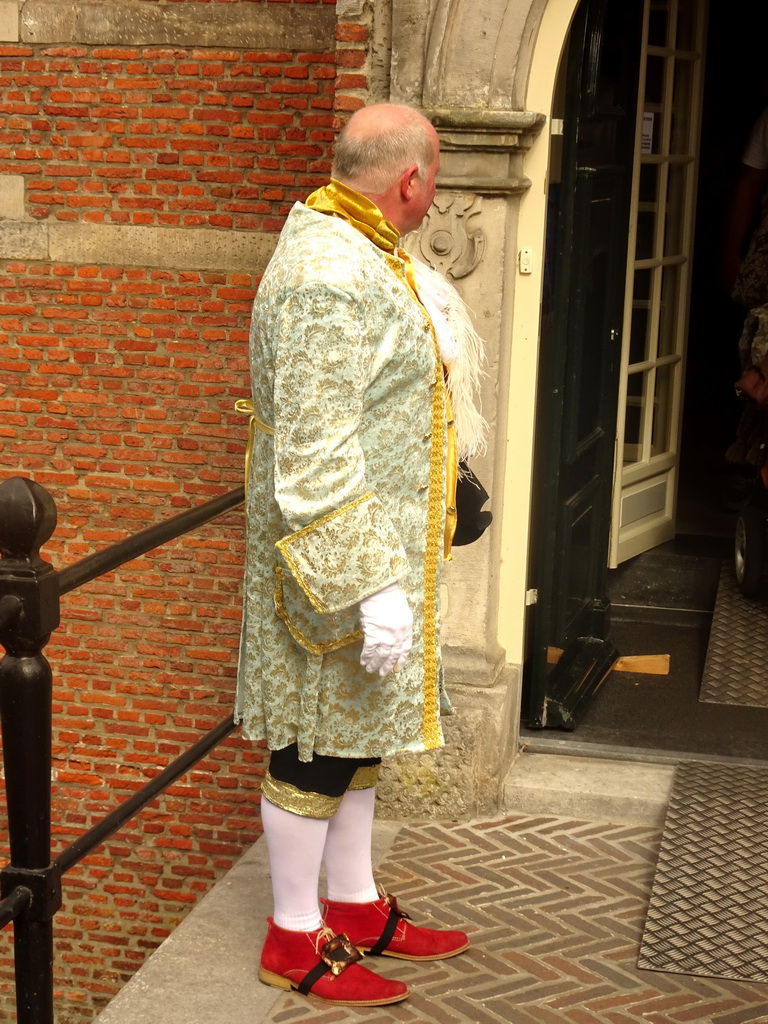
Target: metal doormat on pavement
(736, 666)
(708, 911)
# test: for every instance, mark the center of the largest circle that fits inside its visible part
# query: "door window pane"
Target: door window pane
(670, 343)
(639, 349)
(645, 246)
(661, 430)
(654, 84)
(649, 183)
(685, 36)
(682, 100)
(658, 21)
(649, 394)
(638, 344)
(677, 177)
(633, 418)
(647, 210)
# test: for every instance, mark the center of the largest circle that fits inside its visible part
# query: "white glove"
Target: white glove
(387, 623)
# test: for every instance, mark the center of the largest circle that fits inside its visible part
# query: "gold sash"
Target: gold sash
(245, 406)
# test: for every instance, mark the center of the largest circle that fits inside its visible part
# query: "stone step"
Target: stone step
(596, 789)
(207, 969)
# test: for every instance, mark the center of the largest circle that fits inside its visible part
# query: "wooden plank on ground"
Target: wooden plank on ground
(644, 664)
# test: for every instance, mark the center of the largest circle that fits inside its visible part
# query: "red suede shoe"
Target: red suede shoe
(323, 965)
(381, 929)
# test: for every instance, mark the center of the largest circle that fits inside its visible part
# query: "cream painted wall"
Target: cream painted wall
(524, 331)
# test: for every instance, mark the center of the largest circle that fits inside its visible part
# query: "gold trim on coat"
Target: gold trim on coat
(293, 565)
(365, 777)
(289, 798)
(436, 523)
(298, 636)
(432, 555)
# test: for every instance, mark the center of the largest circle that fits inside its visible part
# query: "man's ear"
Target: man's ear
(407, 181)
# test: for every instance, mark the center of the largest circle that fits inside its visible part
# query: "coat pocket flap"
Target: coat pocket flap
(316, 632)
(346, 555)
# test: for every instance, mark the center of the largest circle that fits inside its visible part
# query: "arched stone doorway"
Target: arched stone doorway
(480, 71)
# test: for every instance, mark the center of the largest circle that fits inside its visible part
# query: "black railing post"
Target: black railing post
(27, 520)
(30, 886)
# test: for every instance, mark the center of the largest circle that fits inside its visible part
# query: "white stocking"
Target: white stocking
(295, 845)
(347, 854)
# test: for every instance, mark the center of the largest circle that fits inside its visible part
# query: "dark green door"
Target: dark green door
(579, 363)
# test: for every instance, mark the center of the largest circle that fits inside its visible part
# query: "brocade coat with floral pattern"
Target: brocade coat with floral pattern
(346, 497)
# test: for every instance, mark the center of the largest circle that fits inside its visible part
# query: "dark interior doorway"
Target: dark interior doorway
(735, 91)
(662, 601)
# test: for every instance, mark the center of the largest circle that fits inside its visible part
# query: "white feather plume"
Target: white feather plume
(462, 353)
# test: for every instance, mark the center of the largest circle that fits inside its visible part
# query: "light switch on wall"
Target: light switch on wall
(526, 261)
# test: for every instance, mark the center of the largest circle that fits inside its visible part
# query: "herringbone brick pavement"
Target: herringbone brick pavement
(556, 910)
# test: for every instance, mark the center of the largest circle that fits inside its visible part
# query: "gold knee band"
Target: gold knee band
(365, 777)
(289, 798)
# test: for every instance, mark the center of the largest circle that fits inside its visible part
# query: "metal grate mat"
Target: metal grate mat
(708, 912)
(736, 666)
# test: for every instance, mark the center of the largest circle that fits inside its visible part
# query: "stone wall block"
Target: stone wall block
(463, 779)
(23, 241)
(350, 10)
(183, 248)
(125, 22)
(12, 197)
(9, 21)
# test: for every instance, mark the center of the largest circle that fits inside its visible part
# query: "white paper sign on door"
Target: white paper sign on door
(646, 145)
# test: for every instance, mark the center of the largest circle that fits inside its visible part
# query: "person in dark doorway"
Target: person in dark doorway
(745, 217)
(745, 275)
(355, 368)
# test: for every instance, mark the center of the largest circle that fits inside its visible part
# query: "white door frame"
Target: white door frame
(524, 330)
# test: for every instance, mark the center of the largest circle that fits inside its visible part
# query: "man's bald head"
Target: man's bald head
(379, 142)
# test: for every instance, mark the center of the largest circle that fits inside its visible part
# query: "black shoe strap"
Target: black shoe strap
(309, 979)
(389, 930)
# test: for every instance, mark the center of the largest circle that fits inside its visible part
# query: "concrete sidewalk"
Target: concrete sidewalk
(554, 902)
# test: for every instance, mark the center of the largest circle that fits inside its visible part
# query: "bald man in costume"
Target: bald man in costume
(350, 514)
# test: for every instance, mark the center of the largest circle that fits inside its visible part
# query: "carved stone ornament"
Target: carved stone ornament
(447, 240)
(463, 53)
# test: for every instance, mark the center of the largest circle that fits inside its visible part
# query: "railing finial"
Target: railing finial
(27, 518)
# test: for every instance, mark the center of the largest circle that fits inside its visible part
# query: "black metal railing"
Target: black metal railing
(30, 588)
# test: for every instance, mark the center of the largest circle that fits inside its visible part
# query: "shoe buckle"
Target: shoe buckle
(339, 953)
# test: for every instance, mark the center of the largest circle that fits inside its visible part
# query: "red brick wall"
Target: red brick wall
(153, 135)
(352, 58)
(117, 385)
